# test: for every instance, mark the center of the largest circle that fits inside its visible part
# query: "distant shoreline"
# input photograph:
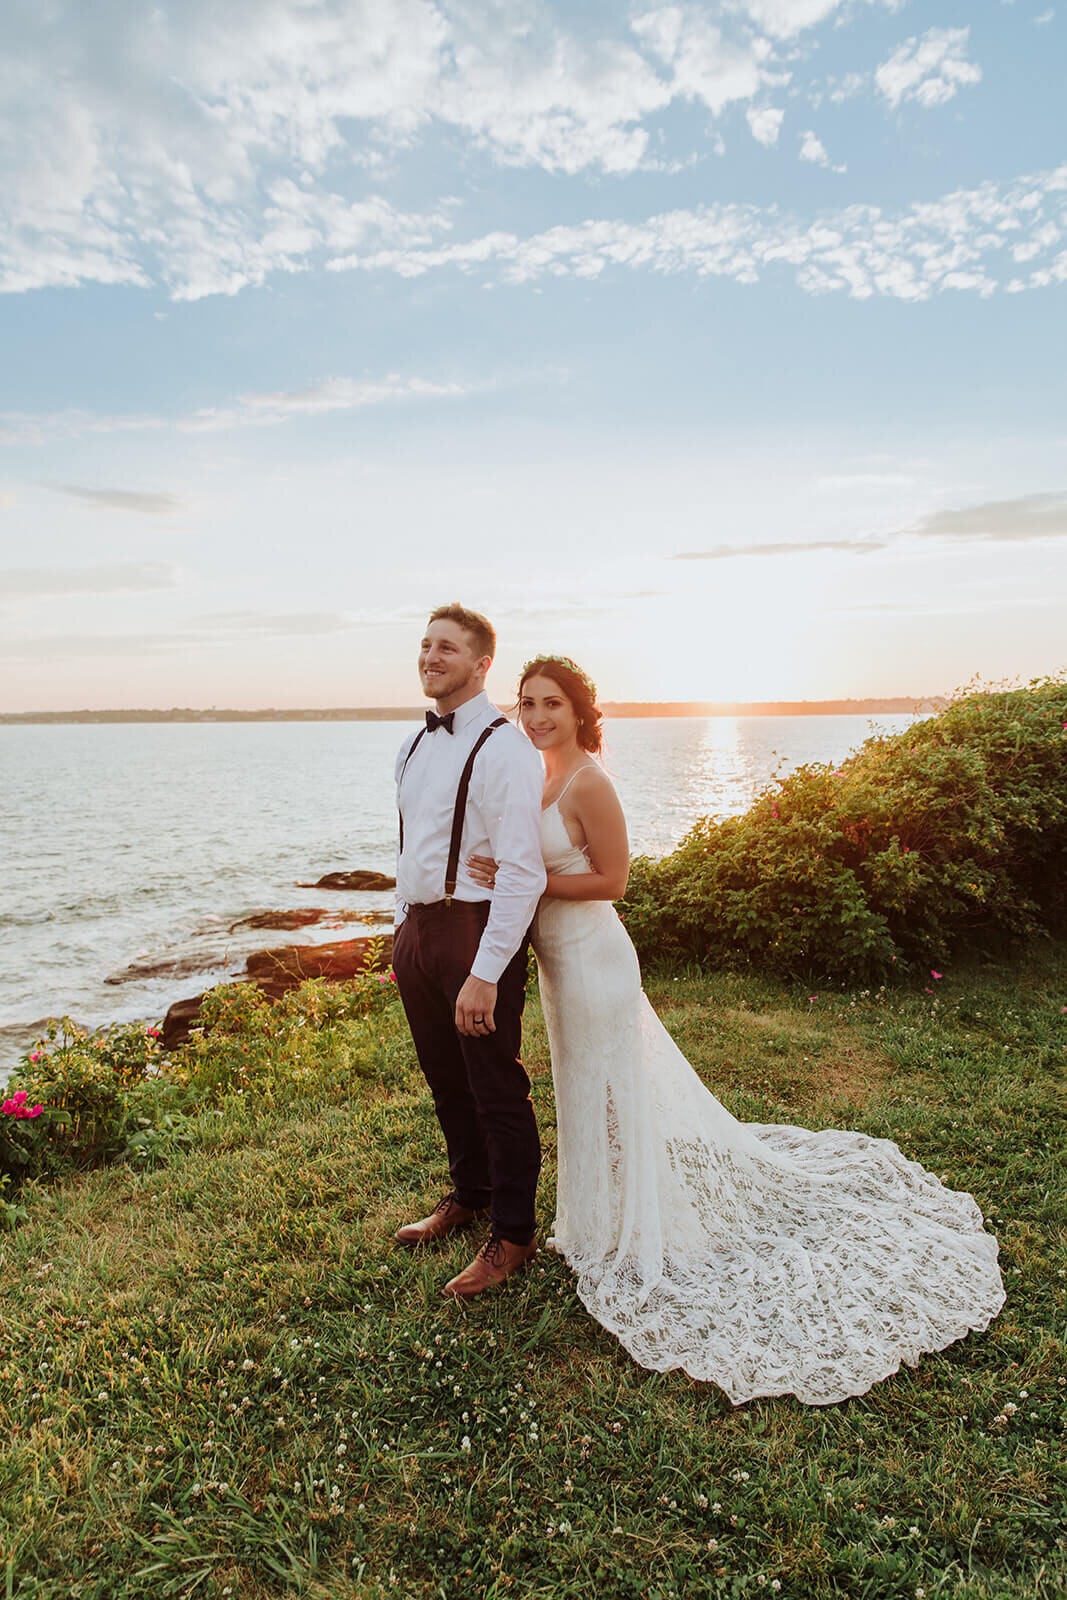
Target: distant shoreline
(612, 708)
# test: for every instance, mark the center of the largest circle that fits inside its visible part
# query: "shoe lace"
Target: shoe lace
(447, 1203)
(493, 1252)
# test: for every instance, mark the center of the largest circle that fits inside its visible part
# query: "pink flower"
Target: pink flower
(8, 1107)
(20, 1098)
(934, 974)
(35, 1055)
(813, 997)
(34, 1111)
(928, 991)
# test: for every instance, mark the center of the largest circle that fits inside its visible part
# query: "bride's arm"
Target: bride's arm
(596, 807)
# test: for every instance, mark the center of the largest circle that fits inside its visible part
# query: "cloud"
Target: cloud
(128, 577)
(1033, 516)
(929, 70)
(812, 149)
(192, 145)
(765, 123)
(332, 394)
(956, 242)
(153, 505)
(254, 409)
(727, 552)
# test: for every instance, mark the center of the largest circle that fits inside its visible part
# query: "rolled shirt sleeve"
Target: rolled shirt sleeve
(509, 800)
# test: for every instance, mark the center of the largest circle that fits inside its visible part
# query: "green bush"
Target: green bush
(949, 836)
(102, 1096)
(243, 1043)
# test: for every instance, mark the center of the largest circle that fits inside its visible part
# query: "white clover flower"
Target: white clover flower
(465, 1444)
(247, 1365)
(713, 1544)
(564, 1528)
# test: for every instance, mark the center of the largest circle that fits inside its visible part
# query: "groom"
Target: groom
(469, 783)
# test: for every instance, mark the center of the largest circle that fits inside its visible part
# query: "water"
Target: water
(131, 851)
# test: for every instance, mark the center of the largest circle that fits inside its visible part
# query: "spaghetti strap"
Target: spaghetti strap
(568, 783)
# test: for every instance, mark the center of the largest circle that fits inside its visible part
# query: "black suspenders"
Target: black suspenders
(452, 869)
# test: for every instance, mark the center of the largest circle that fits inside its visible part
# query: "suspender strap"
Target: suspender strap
(452, 870)
(400, 780)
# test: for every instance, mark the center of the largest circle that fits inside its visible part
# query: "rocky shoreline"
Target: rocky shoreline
(274, 972)
(277, 970)
(225, 950)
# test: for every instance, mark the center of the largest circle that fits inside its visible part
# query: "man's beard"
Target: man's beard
(445, 684)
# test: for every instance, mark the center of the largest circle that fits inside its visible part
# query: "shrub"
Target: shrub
(244, 1043)
(100, 1095)
(948, 836)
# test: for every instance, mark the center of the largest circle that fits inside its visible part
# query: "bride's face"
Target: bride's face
(547, 715)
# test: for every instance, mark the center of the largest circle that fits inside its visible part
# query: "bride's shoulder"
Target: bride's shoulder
(591, 782)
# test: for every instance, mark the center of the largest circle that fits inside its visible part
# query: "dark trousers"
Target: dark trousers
(480, 1089)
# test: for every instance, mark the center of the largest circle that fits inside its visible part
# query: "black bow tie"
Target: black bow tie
(434, 721)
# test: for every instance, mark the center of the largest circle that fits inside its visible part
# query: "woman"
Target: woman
(766, 1259)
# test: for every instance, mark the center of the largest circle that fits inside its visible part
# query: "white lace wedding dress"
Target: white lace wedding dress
(766, 1259)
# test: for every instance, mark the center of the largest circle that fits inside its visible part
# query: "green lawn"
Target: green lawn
(219, 1377)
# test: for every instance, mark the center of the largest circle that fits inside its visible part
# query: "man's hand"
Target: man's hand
(474, 1008)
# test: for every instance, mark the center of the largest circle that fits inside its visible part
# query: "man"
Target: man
(469, 783)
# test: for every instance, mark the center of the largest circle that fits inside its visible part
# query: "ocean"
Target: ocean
(135, 851)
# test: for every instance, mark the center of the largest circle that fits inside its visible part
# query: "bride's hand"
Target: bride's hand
(483, 870)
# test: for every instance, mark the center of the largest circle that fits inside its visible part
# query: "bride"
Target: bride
(766, 1259)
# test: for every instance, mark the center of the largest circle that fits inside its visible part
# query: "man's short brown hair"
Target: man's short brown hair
(480, 628)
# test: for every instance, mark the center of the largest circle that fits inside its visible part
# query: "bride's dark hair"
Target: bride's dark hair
(580, 691)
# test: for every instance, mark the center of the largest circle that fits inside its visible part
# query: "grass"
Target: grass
(219, 1377)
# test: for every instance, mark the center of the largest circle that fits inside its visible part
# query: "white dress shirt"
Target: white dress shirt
(502, 820)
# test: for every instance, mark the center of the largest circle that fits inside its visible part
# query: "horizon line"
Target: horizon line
(610, 708)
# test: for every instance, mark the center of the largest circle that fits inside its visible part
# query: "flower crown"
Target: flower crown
(564, 661)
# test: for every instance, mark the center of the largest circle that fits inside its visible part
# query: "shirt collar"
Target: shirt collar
(470, 711)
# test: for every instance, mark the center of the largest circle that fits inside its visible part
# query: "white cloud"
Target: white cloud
(813, 149)
(765, 123)
(705, 64)
(957, 242)
(206, 145)
(929, 70)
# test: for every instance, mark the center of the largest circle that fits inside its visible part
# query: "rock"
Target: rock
(352, 880)
(302, 917)
(275, 972)
(174, 966)
(180, 1020)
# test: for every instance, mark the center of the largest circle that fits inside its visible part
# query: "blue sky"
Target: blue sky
(720, 346)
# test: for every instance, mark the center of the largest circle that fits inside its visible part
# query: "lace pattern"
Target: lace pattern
(766, 1259)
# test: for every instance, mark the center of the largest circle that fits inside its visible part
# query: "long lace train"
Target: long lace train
(766, 1259)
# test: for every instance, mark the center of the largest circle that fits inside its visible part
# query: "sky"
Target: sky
(719, 346)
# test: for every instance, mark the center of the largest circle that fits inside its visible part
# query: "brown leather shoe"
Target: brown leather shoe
(496, 1260)
(446, 1216)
